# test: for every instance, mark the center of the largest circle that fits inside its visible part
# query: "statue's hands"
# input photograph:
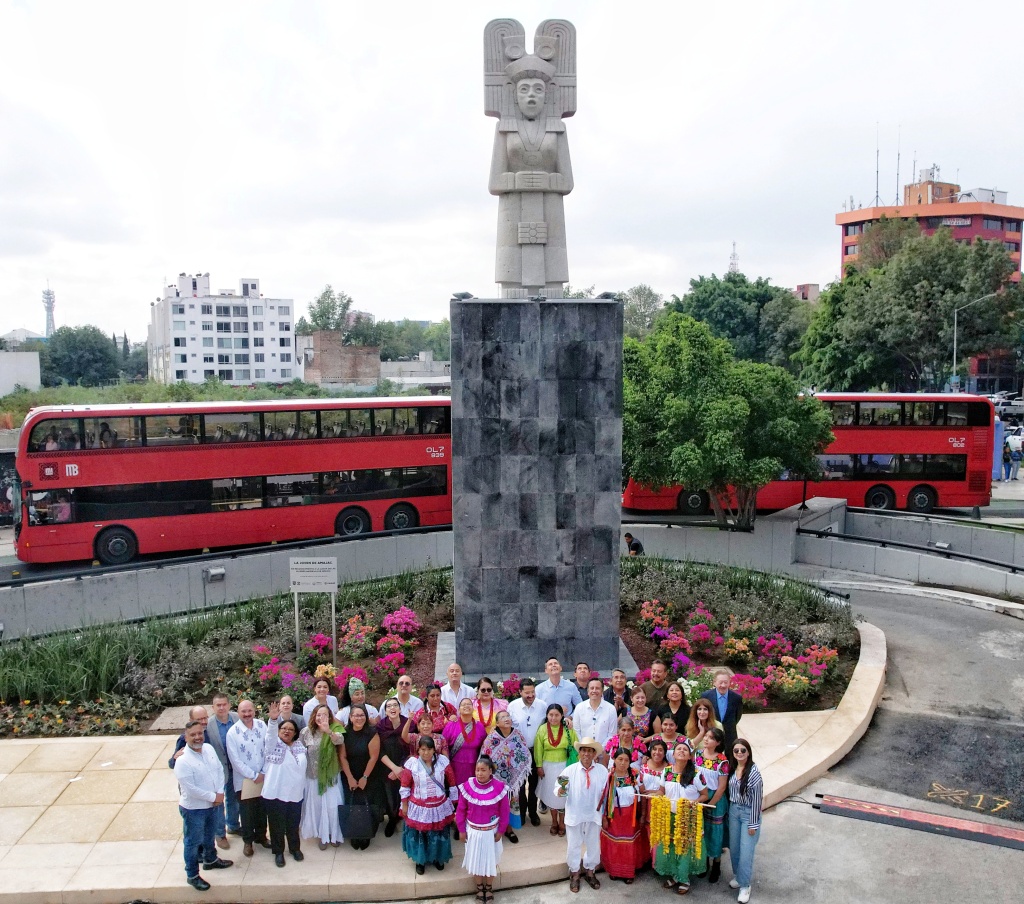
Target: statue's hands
(504, 182)
(533, 181)
(560, 183)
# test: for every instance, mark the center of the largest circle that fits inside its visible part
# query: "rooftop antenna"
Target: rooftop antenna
(49, 301)
(899, 137)
(878, 201)
(734, 260)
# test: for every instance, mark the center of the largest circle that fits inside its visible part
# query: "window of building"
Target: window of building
(223, 310)
(177, 309)
(853, 229)
(207, 341)
(179, 341)
(206, 309)
(179, 326)
(283, 309)
(180, 375)
(223, 326)
(242, 342)
(261, 374)
(239, 310)
(285, 359)
(1011, 246)
(180, 359)
(241, 359)
(852, 249)
(286, 373)
(258, 358)
(1012, 225)
(285, 341)
(241, 326)
(223, 359)
(208, 326)
(191, 323)
(242, 374)
(257, 342)
(286, 327)
(207, 359)
(222, 342)
(225, 375)
(257, 326)
(207, 374)
(257, 310)
(990, 223)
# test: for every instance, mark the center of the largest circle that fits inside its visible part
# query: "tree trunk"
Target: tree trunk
(746, 503)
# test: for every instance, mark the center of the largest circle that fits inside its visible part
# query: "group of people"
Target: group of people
(462, 761)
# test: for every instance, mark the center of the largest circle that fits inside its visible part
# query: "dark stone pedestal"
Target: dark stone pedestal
(537, 491)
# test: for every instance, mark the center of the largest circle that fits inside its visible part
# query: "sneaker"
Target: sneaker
(744, 895)
(733, 883)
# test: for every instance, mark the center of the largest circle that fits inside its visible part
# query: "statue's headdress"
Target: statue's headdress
(506, 62)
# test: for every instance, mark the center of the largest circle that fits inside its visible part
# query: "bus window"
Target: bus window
(237, 493)
(291, 489)
(880, 414)
(979, 414)
(921, 414)
(877, 464)
(948, 467)
(956, 414)
(307, 425)
(172, 429)
(911, 464)
(384, 422)
(842, 413)
(335, 424)
(113, 432)
(279, 425)
(406, 422)
(426, 481)
(836, 467)
(231, 428)
(55, 435)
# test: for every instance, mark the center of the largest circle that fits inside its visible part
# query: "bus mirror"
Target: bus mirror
(213, 575)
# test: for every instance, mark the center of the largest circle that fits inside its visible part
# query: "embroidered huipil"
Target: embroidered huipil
(245, 750)
(711, 768)
(430, 806)
(483, 807)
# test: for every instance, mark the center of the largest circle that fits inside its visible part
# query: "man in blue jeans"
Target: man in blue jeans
(217, 732)
(200, 777)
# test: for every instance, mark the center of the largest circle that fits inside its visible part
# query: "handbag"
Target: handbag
(572, 754)
(358, 820)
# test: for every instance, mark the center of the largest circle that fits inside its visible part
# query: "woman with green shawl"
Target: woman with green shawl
(322, 738)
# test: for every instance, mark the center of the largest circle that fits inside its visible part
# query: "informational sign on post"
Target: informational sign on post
(315, 575)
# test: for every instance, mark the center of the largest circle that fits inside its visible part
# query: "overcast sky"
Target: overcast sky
(313, 142)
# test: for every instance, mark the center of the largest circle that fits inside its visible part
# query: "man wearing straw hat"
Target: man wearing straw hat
(582, 785)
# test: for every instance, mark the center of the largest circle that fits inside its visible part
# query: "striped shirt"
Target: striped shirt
(752, 797)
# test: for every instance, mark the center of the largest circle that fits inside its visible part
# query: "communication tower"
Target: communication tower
(734, 260)
(49, 301)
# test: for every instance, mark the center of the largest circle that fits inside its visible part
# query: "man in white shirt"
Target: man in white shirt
(595, 717)
(200, 777)
(583, 789)
(555, 690)
(408, 704)
(528, 714)
(455, 691)
(246, 739)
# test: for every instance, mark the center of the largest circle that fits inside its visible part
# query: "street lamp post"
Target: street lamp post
(956, 313)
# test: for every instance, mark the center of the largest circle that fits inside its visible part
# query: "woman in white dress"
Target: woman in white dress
(322, 696)
(322, 738)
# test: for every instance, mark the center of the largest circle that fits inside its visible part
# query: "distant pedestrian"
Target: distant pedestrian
(1007, 461)
(635, 547)
(1015, 456)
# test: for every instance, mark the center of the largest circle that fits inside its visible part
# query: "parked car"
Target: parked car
(1015, 437)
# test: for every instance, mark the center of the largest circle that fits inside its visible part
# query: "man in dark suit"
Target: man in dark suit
(727, 705)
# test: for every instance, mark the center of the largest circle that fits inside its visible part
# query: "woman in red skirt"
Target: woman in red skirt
(625, 846)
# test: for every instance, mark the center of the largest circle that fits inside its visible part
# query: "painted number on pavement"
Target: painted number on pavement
(969, 800)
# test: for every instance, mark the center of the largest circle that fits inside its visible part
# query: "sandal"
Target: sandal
(561, 831)
(668, 883)
(553, 830)
(488, 894)
(683, 889)
(591, 879)
(574, 882)
(481, 894)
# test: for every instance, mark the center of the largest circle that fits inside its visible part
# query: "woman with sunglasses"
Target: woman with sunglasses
(486, 707)
(745, 794)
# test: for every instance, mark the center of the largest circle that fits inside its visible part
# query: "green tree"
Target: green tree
(640, 306)
(881, 242)
(893, 325)
(570, 292)
(136, 365)
(438, 338)
(732, 307)
(81, 354)
(125, 348)
(328, 311)
(694, 415)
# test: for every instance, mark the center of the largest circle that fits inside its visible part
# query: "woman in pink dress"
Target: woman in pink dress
(465, 737)
(482, 817)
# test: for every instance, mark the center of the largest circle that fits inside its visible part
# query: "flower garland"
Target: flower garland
(678, 834)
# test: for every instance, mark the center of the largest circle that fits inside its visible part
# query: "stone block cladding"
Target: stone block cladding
(536, 482)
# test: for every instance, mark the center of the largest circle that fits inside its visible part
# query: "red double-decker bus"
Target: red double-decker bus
(891, 450)
(112, 482)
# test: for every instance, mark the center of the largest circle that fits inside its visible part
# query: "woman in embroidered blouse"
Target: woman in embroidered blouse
(482, 817)
(465, 737)
(487, 708)
(625, 845)
(429, 795)
(441, 713)
(641, 714)
(510, 754)
(360, 765)
(284, 785)
(713, 766)
(550, 753)
(675, 705)
(413, 732)
(702, 717)
(626, 739)
(321, 738)
(669, 735)
(745, 795)
(392, 757)
(656, 768)
(684, 782)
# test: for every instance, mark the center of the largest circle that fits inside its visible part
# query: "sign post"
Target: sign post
(315, 575)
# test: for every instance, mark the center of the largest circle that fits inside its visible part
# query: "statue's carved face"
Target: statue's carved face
(530, 97)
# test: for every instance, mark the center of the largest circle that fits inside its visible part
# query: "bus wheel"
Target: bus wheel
(693, 502)
(400, 517)
(921, 499)
(880, 498)
(352, 521)
(116, 546)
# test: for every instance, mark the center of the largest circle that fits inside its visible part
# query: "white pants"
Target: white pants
(585, 835)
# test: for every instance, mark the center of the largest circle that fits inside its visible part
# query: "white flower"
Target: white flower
(630, 684)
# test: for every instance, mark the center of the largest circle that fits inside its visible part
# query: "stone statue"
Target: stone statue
(530, 169)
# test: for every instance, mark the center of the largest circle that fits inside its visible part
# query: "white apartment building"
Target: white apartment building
(239, 337)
